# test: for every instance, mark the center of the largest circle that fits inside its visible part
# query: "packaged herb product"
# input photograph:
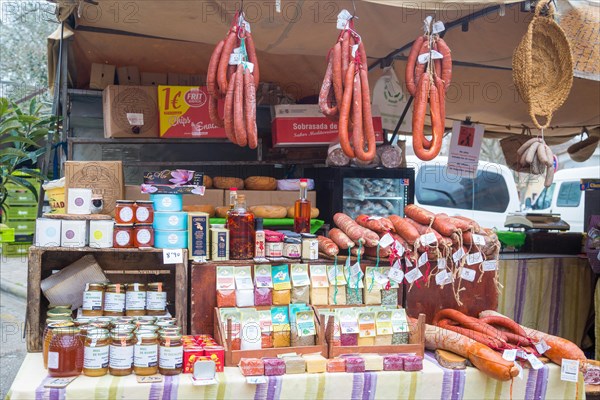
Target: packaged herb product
(389, 293)
(281, 326)
(244, 288)
(319, 284)
(263, 282)
(383, 323)
(282, 294)
(366, 328)
(300, 284)
(372, 289)
(348, 326)
(399, 326)
(251, 334)
(304, 329)
(337, 284)
(225, 287)
(355, 286)
(266, 328)
(234, 315)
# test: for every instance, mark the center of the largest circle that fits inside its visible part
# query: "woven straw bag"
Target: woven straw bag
(543, 66)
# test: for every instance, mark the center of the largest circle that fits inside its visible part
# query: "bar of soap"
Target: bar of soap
(355, 364)
(338, 297)
(393, 362)
(349, 339)
(294, 365)
(252, 366)
(366, 341)
(336, 365)
(413, 363)
(373, 362)
(319, 296)
(383, 340)
(274, 366)
(282, 297)
(315, 363)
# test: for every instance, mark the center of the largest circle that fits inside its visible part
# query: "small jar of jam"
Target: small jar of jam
(144, 212)
(114, 300)
(95, 352)
(145, 355)
(93, 298)
(65, 352)
(135, 300)
(121, 354)
(123, 236)
(156, 299)
(51, 324)
(170, 357)
(124, 213)
(143, 235)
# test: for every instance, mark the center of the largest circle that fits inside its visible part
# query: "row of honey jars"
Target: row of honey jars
(134, 299)
(134, 212)
(126, 236)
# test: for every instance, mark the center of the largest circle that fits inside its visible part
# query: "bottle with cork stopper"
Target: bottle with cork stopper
(240, 223)
(302, 210)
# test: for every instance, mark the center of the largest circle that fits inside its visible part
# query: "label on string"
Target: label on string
(441, 263)
(355, 269)
(248, 65)
(569, 370)
(458, 255)
(423, 58)
(438, 27)
(427, 23)
(427, 239)
(354, 49)
(172, 256)
(235, 59)
(467, 274)
(510, 354)
(474, 258)
(396, 275)
(247, 26)
(381, 278)
(278, 6)
(409, 263)
(521, 375)
(436, 55)
(237, 50)
(443, 278)
(386, 240)
(534, 361)
(397, 264)
(489, 265)
(422, 260)
(413, 275)
(542, 346)
(342, 19)
(478, 240)
(399, 248)
(521, 354)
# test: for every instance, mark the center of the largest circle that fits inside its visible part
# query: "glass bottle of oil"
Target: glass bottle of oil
(240, 223)
(302, 210)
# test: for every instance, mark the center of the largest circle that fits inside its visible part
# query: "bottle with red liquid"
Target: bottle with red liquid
(302, 210)
(240, 223)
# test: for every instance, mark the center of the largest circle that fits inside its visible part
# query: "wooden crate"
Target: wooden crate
(416, 339)
(119, 265)
(233, 357)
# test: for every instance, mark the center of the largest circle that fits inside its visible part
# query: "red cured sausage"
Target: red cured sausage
(426, 89)
(444, 226)
(473, 334)
(345, 112)
(409, 74)
(367, 121)
(405, 229)
(378, 225)
(336, 76)
(251, 50)
(250, 109)
(514, 330)
(419, 214)
(457, 318)
(354, 231)
(239, 125)
(420, 68)
(341, 239)
(213, 111)
(230, 43)
(476, 227)
(327, 246)
(424, 229)
(324, 94)
(439, 84)
(345, 53)
(372, 252)
(356, 112)
(228, 114)
(446, 73)
(211, 75)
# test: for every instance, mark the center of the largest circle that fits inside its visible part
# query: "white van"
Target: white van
(565, 197)
(486, 199)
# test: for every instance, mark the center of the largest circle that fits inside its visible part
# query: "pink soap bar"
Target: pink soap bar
(393, 362)
(349, 339)
(413, 363)
(252, 366)
(336, 365)
(274, 366)
(355, 364)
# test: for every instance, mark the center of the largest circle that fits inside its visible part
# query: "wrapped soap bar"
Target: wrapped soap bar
(413, 363)
(315, 363)
(294, 365)
(282, 297)
(263, 296)
(336, 365)
(355, 364)
(373, 362)
(389, 297)
(252, 366)
(393, 362)
(274, 366)
(383, 340)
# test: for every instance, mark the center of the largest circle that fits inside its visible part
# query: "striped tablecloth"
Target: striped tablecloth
(434, 382)
(553, 295)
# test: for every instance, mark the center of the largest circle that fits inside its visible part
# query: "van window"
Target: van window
(544, 200)
(436, 187)
(569, 194)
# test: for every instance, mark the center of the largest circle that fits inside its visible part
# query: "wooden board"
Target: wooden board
(119, 265)
(87, 217)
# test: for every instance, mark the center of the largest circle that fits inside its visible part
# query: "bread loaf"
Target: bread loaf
(268, 211)
(207, 208)
(226, 182)
(207, 181)
(314, 212)
(221, 212)
(260, 183)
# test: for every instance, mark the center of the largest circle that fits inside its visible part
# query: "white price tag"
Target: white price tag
(256, 380)
(399, 248)
(521, 354)
(237, 50)
(235, 59)
(381, 279)
(386, 240)
(474, 258)
(510, 354)
(490, 265)
(534, 361)
(569, 370)
(354, 49)
(355, 269)
(479, 240)
(396, 275)
(135, 119)
(521, 374)
(542, 346)
(278, 6)
(397, 264)
(247, 26)
(441, 263)
(443, 278)
(422, 260)
(458, 255)
(413, 275)
(423, 58)
(427, 239)
(427, 23)
(436, 55)
(342, 19)
(438, 27)
(467, 274)
(375, 218)
(172, 256)
(408, 263)
(248, 65)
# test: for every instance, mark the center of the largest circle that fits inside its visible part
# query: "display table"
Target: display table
(434, 382)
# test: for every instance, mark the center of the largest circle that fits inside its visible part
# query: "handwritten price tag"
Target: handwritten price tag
(441, 263)
(428, 238)
(408, 263)
(510, 354)
(413, 275)
(443, 278)
(422, 260)
(381, 279)
(542, 346)
(256, 380)
(386, 240)
(474, 258)
(343, 18)
(399, 248)
(569, 370)
(479, 240)
(458, 255)
(534, 361)
(172, 256)
(467, 274)
(490, 265)
(521, 374)
(396, 275)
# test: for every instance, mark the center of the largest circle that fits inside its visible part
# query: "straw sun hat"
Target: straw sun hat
(543, 65)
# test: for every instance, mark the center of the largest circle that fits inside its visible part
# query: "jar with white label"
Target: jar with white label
(121, 354)
(143, 235)
(114, 300)
(145, 355)
(170, 355)
(124, 212)
(123, 236)
(156, 299)
(65, 352)
(95, 352)
(135, 299)
(93, 299)
(144, 212)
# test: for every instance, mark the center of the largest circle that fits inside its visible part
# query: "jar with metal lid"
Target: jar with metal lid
(156, 299)
(143, 235)
(126, 319)
(121, 354)
(123, 236)
(292, 248)
(164, 324)
(124, 213)
(123, 327)
(106, 319)
(147, 318)
(144, 212)
(58, 313)
(145, 355)
(95, 352)
(93, 299)
(83, 321)
(135, 299)
(147, 328)
(170, 330)
(170, 355)
(47, 336)
(114, 300)
(65, 352)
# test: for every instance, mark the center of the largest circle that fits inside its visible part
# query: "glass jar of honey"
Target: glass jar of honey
(83, 321)
(100, 325)
(114, 300)
(145, 355)
(123, 327)
(147, 328)
(51, 324)
(121, 354)
(144, 212)
(146, 319)
(59, 313)
(156, 299)
(135, 299)
(65, 352)
(127, 319)
(170, 355)
(143, 235)
(95, 352)
(93, 299)
(123, 236)
(124, 213)
(164, 324)
(170, 330)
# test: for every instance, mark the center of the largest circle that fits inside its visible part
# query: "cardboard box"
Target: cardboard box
(183, 113)
(305, 125)
(129, 76)
(215, 197)
(101, 76)
(198, 243)
(153, 78)
(103, 177)
(273, 197)
(130, 112)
